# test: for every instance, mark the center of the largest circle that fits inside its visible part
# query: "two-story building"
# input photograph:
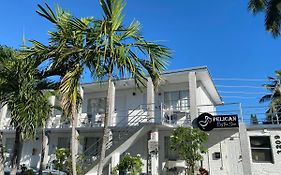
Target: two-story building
(143, 119)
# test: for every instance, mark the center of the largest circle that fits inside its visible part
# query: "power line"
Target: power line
(240, 79)
(242, 97)
(232, 86)
(240, 92)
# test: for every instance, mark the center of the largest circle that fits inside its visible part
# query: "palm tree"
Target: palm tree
(274, 97)
(65, 54)
(271, 8)
(106, 48)
(121, 51)
(5, 53)
(21, 86)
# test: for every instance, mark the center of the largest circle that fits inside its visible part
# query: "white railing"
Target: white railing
(175, 116)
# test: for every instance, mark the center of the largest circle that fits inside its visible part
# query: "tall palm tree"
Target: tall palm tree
(21, 86)
(5, 53)
(274, 97)
(119, 51)
(65, 53)
(271, 8)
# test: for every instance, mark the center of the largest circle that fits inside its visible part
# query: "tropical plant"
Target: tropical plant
(131, 165)
(21, 85)
(63, 161)
(271, 8)
(273, 97)
(187, 142)
(119, 51)
(65, 54)
(106, 47)
(254, 119)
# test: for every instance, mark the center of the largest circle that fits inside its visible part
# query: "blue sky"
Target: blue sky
(221, 34)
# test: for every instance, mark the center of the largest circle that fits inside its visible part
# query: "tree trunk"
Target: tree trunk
(16, 152)
(74, 137)
(106, 130)
(2, 159)
(43, 149)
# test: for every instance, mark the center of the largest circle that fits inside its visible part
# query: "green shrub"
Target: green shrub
(131, 165)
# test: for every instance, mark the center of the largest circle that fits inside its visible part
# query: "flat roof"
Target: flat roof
(202, 74)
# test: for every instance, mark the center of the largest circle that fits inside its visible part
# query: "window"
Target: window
(97, 105)
(169, 153)
(63, 142)
(176, 100)
(261, 149)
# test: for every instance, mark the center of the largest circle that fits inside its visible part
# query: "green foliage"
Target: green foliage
(274, 96)
(187, 142)
(272, 13)
(132, 165)
(63, 161)
(254, 119)
(21, 88)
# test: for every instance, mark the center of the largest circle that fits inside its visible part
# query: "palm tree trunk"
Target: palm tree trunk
(2, 159)
(106, 131)
(43, 148)
(74, 141)
(16, 152)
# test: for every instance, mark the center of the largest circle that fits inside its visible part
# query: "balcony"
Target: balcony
(58, 122)
(175, 115)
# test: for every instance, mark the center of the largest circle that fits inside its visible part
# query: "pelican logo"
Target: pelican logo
(207, 122)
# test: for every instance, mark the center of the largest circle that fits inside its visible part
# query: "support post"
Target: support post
(153, 150)
(245, 152)
(192, 95)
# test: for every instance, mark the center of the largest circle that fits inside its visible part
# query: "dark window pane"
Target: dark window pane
(260, 142)
(262, 155)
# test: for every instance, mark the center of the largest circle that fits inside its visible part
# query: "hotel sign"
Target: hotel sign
(207, 122)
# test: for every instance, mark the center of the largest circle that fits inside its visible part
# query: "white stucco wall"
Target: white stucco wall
(203, 100)
(226, 142)
(267, 168)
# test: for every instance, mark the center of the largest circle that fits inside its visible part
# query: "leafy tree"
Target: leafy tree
(273, 97)
(187, 142)
(131, 165)
(271, 8)
(21, 85)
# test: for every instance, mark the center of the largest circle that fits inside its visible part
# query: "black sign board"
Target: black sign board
(207, 122)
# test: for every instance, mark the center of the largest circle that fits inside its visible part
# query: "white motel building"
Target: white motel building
(143, 120)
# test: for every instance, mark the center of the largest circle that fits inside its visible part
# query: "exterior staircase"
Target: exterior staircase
(125, 134)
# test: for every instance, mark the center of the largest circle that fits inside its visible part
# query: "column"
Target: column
(245, 149)
(81, 90)
(150, 100)
(153, 151)
(3, 115)
(192, 95)
(115, 159)
(45, 134)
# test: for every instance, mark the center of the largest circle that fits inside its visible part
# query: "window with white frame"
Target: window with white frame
(261, 149)
(63, 142)
(176, 100)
